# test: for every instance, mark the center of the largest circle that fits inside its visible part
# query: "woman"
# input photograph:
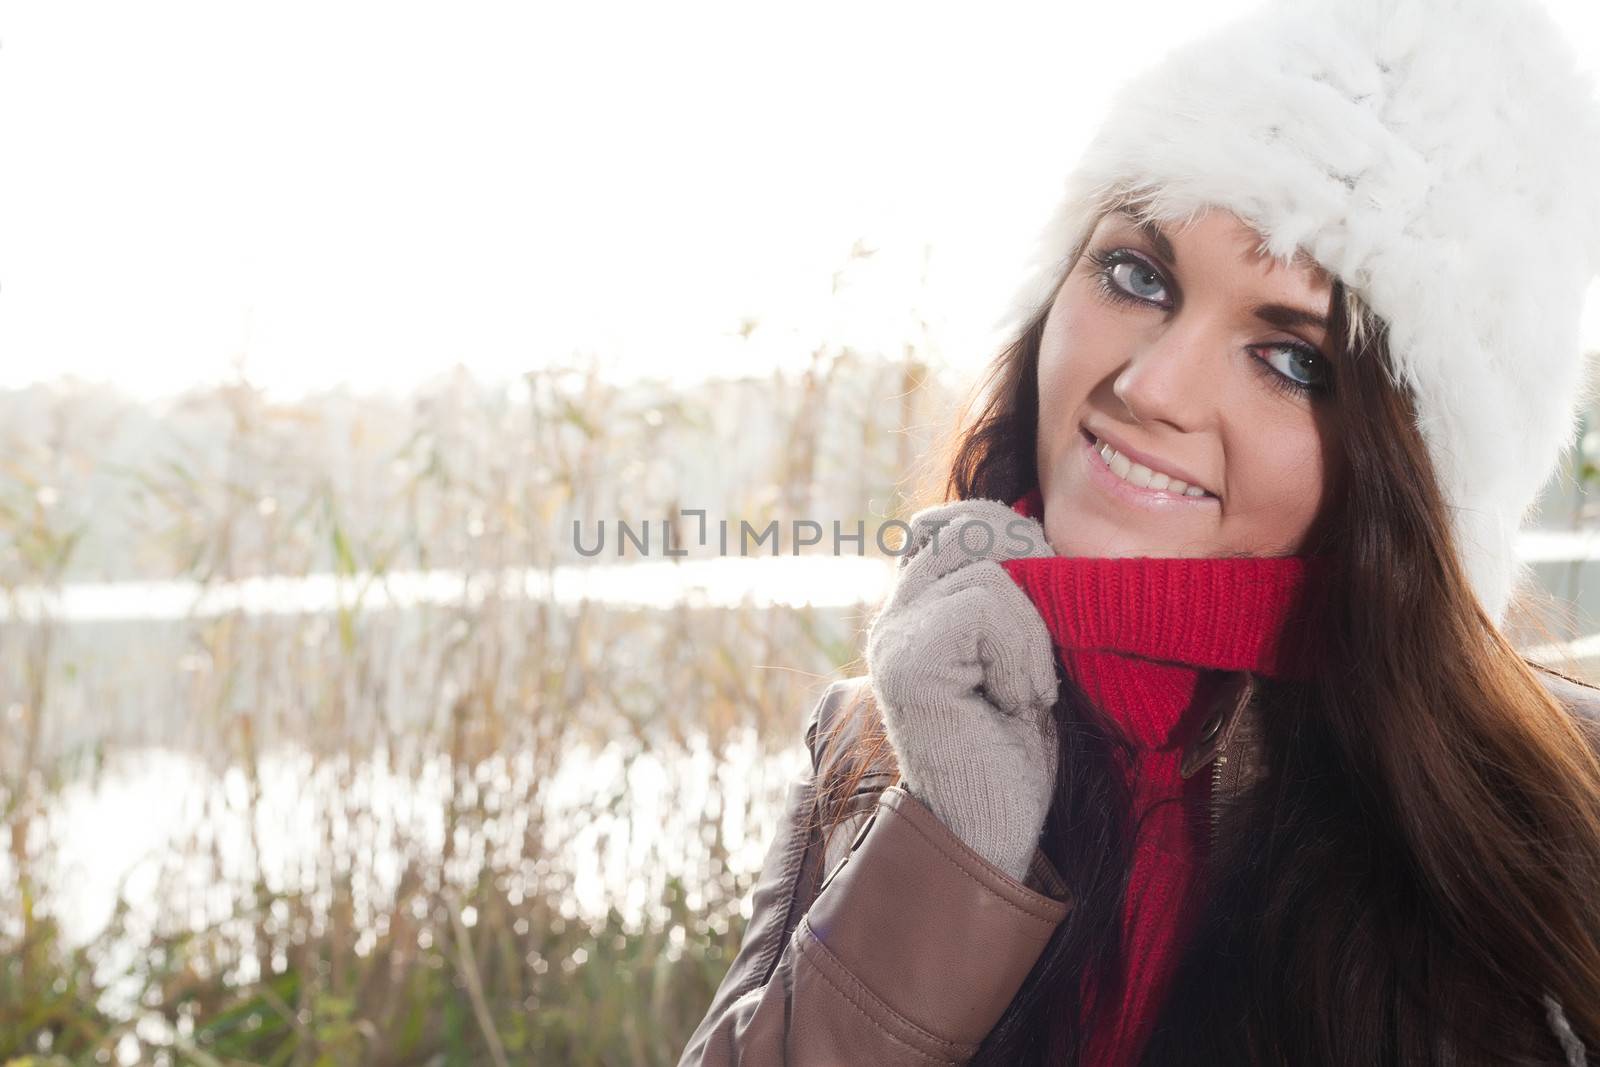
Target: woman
(1189, 733)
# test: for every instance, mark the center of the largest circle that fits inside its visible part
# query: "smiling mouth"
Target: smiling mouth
(1141, 477)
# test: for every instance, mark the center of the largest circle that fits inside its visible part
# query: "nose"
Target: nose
(1174, 376)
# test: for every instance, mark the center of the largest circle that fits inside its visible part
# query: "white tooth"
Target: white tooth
(1142, 476)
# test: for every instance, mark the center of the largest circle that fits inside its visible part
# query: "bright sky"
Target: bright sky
(371, 193)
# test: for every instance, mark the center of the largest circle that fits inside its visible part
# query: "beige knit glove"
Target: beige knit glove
(962, 665)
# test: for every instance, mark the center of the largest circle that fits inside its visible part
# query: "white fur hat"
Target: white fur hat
(1441, 158)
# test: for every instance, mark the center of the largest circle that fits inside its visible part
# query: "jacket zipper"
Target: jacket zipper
(1219, 761)
(1216, 796)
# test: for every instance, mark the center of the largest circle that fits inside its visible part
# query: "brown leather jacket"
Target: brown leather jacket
(895, 943)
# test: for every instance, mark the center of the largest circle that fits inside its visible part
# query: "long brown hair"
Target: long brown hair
(1418, 877)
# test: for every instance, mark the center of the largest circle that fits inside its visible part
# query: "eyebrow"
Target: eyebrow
(1151, 230)
(1279, 315)
(1285, 317)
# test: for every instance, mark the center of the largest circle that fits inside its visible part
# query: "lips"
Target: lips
(1144, 472)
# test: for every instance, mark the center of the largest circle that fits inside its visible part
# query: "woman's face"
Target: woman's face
(1198, 360)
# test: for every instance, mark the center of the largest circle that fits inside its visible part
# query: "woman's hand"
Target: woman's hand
(962, 666)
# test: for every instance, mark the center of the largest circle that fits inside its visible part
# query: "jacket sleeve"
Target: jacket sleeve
(908, 952)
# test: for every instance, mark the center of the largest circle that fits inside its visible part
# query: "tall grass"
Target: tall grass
(504, 830)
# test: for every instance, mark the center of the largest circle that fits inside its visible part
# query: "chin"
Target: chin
(1073, 530)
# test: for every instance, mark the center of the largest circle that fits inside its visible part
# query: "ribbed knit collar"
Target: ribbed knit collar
(1142, 636)
(1230, 613)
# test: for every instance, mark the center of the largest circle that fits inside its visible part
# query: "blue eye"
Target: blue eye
(1139, 279)
(1301, 370)
(1129, 278)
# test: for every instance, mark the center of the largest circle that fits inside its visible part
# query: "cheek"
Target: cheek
(1280, 476)
(1076, 348)
(1054, 344)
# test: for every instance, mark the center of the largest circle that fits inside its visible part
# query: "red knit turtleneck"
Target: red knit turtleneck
(1145, 637)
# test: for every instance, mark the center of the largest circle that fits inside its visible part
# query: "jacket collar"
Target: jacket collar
(1231, 729)
(1233, 720)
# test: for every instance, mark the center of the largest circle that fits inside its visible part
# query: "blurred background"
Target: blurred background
(320, 326)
